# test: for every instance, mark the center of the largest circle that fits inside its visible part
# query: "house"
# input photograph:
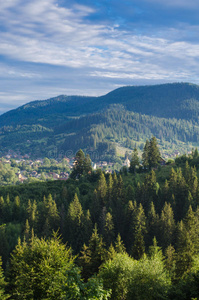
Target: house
(22, 178)
(55, 176)
(126, 163)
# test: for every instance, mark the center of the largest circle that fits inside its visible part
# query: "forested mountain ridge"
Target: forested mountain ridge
(126, 116)
(176, 100)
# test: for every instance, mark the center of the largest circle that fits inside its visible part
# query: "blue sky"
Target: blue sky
(90, 47)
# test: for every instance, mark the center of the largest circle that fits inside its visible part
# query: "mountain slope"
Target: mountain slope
(125, 117)
(177, 100)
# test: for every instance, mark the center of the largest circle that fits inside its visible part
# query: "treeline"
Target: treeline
(134, 232)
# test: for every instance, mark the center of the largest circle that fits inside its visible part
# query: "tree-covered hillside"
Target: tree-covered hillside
(124, 118)
(132, 235)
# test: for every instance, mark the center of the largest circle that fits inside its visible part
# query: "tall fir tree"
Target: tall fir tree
(108, 230)
(93, 255)
(140, 231)
(74, 231)
(82, 165)
(154, 153)
(135, 161)
(167, 226)
(145, 155)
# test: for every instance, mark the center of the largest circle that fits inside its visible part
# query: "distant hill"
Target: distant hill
(123, 118)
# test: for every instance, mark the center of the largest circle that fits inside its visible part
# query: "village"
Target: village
(16, 168)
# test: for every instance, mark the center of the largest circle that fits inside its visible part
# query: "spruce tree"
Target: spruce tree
(188, 243)
(92, 256)
(135, 161)
(82, 165)
(78, 167)
(154, 153)
(119, 245)
(3, 295)
(167, 226)
(145, 155)
(139, 225)
(152, 224)
(16, 209)
(75, 225)
(102, 190)
(108, 230)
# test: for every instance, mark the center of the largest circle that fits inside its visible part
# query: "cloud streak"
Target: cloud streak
(77, 41)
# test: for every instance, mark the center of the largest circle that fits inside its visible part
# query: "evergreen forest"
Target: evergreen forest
(133, 234)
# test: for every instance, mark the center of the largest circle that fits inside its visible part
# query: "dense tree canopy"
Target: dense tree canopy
(109, 221)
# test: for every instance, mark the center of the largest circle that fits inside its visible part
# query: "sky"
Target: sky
(90, 47)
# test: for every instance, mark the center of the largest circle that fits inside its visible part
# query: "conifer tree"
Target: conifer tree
(27, 231)
(167, 226)
(152, 224)
(130, 193)
(187, 172)
(118, 204)
(135, 161)
(32, 213)
(82, 165)
(3, 295)
(75, 224)
(188, 243)
(145, 155)
(111, 252)
(154, 153)
(150, 190)
(129, 224)
(92, 256)
(102, 189)
(173, 180)
(5, 247)
(109, 190)
(49, 215)
(2, 203)
(78, 167)
(7, 210)
(119, 245)
(139, 225)
(16, 209)
(170, 261)
(95, 207)
(87, 226)
(87, 164)
(108, 230)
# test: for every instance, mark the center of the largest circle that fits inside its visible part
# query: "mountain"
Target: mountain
(124, 118)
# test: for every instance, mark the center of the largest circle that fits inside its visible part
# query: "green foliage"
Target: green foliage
(149, 279)
(38, 268)
(92, 256)
(76, 288)
(129, 209)
(135, 162)
(151, 153)
(82, 165)
(116, 275)
(3, 296)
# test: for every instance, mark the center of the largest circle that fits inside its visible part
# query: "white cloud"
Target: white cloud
(44, 32)
(40, 31)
